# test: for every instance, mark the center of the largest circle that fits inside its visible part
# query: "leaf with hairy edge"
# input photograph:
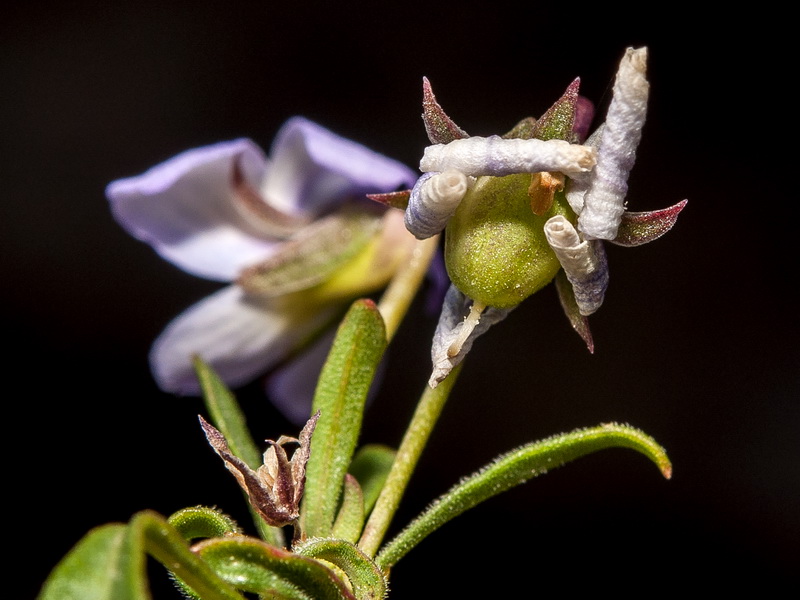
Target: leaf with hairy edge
(368, 581)
(164, 543)
(371, 466)
(202, 522)
(515, 468)
(350, 518)
(106, 564)
(256, 567)
(340, 396)
(228, 417)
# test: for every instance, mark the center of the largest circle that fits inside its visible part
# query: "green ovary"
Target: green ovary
(495, 248)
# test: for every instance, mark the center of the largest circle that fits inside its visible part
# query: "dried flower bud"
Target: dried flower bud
(276, 487)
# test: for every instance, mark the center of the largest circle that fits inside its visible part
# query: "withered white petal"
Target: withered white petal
(583, 261)
(433, 201)
(579, 182)
(604, 201)
(448, 336)
(497, 156)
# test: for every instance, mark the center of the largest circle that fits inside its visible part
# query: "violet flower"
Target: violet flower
(293, 235)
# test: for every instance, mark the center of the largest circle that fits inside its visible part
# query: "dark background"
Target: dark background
(695, 343)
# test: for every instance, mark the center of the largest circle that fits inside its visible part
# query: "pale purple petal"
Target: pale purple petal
(291, 387)
(240, 338)
(183, 208)
(313, 169)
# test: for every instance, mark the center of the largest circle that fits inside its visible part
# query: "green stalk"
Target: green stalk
(419, 430)
(401, 290)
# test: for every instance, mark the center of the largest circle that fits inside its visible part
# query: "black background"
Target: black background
(695, 343)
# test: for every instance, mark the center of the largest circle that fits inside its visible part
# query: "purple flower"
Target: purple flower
(293, 234)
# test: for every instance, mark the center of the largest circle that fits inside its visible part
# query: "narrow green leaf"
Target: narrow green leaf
(368, 581)
(516, 467)
(350, 518)
(106, 564)
(202, 522)
(371, 466)
(340, 396)
(257, 567)
(164, 543)
(227, 416)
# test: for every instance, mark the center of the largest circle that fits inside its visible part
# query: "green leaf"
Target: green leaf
(371, 466)
(227, 416)
(350, 518)
(106, 564)
(164, 543)
(340, 396)
(516, 467)
(368, 581)
(202, 522)
(257, 567)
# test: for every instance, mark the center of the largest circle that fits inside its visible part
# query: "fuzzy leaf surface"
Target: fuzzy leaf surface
(340, 397)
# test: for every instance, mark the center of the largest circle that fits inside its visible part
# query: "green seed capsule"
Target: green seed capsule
(495, 248)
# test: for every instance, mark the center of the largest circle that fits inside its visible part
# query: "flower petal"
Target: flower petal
(314, 169)
(183, 208)
(239, 337)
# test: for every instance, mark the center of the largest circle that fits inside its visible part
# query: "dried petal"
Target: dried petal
(451, 322)
(605, 198)
(583, 261)
(639, 228)
(495, 156)
(440, 128)
(433, 201)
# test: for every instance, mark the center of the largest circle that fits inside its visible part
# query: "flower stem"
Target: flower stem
(403, 287)
(419, 430)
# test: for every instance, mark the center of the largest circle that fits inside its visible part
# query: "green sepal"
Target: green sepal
(254, 566)
(367, 580)
(515, 468)
(227, 416)
(557, 122)
(371, 466)
(106, 564)
(202, 522)
(340, 397)
(350, 518)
